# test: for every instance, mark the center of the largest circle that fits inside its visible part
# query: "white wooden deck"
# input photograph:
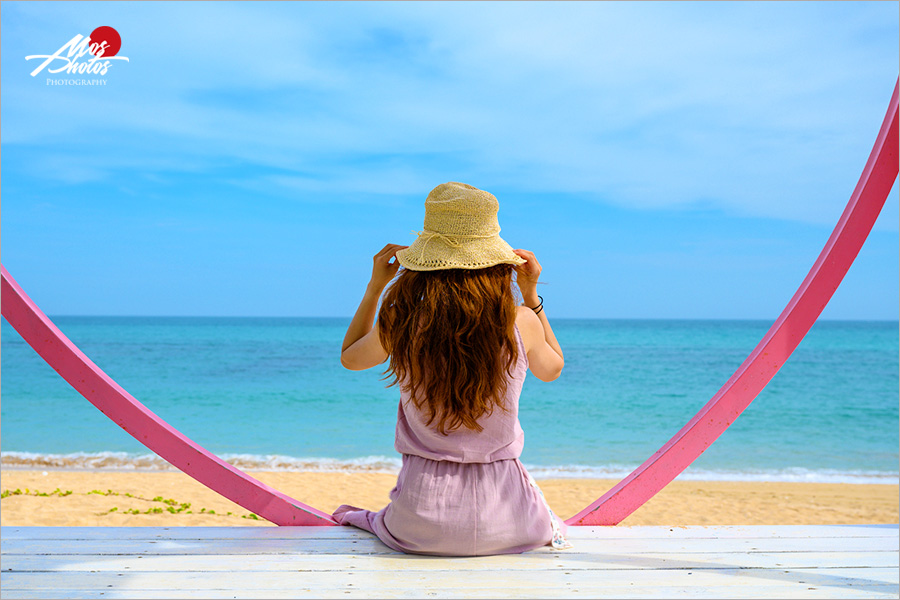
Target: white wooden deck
(835, 561)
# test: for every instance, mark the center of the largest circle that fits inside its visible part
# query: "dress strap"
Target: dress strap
(520, 344)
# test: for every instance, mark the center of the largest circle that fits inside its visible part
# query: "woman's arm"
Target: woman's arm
(545, 357)
(362, 347)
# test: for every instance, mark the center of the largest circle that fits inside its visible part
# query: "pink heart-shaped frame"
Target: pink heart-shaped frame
(627, 496)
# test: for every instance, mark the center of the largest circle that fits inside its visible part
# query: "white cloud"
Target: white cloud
(759, 109)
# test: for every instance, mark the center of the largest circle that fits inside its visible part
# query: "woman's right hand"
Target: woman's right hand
(383, 270)
(527, 277)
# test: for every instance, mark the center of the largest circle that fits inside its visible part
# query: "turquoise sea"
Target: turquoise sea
(271, 393)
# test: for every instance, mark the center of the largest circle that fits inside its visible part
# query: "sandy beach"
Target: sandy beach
(104, 498)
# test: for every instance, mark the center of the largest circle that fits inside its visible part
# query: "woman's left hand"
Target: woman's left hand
(527, 276)
(383, 270)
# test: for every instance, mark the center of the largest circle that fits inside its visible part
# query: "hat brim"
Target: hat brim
(434, 254)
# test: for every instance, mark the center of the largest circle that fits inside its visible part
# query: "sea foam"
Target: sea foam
(121, 461)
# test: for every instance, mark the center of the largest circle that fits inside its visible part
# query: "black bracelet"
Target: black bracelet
(537, 309)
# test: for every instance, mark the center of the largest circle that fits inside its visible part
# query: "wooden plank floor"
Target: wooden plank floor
(834, 561)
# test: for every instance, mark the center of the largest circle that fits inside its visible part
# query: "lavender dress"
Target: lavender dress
(466, 493)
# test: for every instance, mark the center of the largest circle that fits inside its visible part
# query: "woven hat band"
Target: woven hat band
(451, 240)
(459, 224)
(454, 241)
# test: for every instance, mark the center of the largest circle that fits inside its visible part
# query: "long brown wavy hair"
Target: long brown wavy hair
(451, 339)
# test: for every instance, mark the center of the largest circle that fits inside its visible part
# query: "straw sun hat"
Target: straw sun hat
(461, 232)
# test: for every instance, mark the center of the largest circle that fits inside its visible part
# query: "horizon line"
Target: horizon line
(556, 318)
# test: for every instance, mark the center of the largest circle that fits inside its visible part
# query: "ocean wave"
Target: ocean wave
(121, 461)
(789, 475)
(85, 460)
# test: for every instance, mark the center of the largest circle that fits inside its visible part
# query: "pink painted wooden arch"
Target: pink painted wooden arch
(139, 421)
(661, 468)
(776, 346)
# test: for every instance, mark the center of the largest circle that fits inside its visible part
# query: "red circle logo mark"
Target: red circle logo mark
(110, 36)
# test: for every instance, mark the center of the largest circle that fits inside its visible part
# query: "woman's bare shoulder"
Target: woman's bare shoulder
(529, 327)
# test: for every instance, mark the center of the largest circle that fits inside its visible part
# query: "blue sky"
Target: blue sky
(663, 160)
